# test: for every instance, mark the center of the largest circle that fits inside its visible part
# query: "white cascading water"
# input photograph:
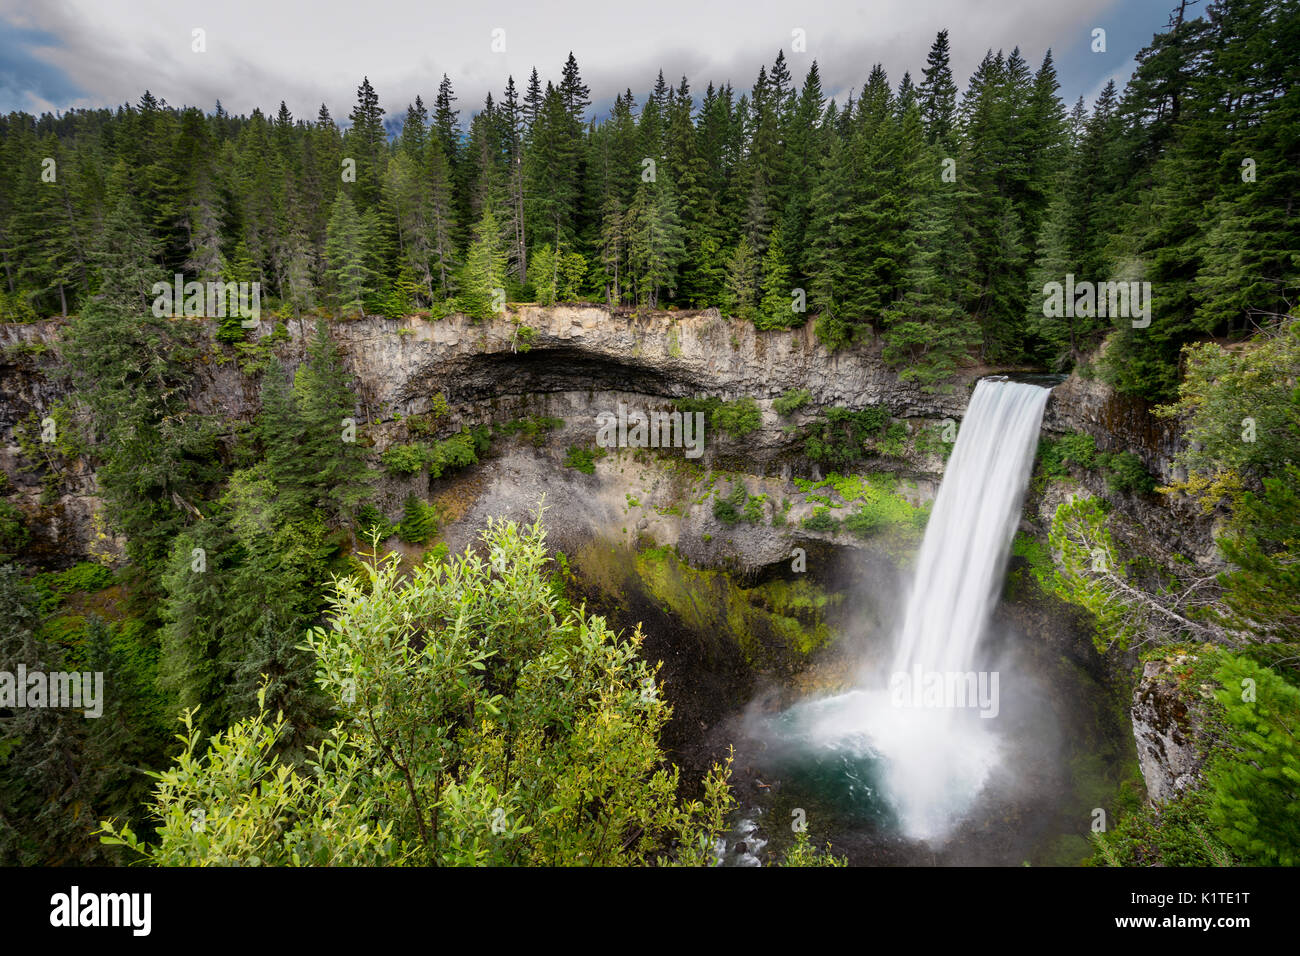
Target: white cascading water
(936, 759)
(967, 540)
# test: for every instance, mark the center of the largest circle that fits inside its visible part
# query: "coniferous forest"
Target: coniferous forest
(318, 647)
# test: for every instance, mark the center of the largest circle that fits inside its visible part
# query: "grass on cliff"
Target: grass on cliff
(879, 506)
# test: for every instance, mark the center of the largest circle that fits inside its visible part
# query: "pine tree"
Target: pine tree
(327, 448)
(482, 278)
(126, 255)
(938, 92)
(655, 239)
(741, 286)
(775, 309)
(344, 253)
(366, 139)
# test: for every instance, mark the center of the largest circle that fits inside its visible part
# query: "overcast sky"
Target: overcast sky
(59, 54)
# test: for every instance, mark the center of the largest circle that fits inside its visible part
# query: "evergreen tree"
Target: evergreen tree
(775, 310)
(367, 140)
(344, 254)
(482, 278)
(938, 93)
(741, 285)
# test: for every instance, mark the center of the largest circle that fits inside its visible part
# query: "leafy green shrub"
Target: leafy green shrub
(459, 451)
(13, 529)
(534, 428)
(499, 659)
(1074, 448)
(583, 459)
(839, 437)
(729, 510)
(866, 521)
(231, 330)
(86, 577)
(1172, 834)
(821, 520)
(402, 460)
(791, 401)
(1125, 472)
(707, 404)
(753, 511)
(894, 441)
(930, 441)
(737, 419)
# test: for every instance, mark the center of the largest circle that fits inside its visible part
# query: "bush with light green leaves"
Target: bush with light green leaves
(479, 723)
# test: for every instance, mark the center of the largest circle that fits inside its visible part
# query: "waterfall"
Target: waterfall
(918, 737)
(968, 538)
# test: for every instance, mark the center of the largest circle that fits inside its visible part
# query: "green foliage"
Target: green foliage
(1254, 776)
(458, 451)
(708, 404)
(731, 509)
(1245, 809)
(739, 298)
(1126, 472)
(1038, 559)
(839, 437)
(1087, 557)
(62, 771)
(1240, 410)
(803, 853)
(738, 418)
(1129, 598)
(482, 278)
(420, 521)
(347, 268)
(1055, 456)
(1262, 590)
(234, 802)
(404, 460)
(821, 520)
(776, 308)
(14, 534)
(880, 507)
(157, 456)
(535, 428)
(583, 459)
(475, 726)
(557, 277)
(85, 576)
(1174, 834)
(231, 330)
(791, 401)
(372, 524)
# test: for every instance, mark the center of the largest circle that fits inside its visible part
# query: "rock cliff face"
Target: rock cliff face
(573, 362)
(400, 363)
(1168, 729)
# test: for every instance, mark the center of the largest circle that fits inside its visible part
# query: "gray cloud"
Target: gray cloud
(259, 53)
